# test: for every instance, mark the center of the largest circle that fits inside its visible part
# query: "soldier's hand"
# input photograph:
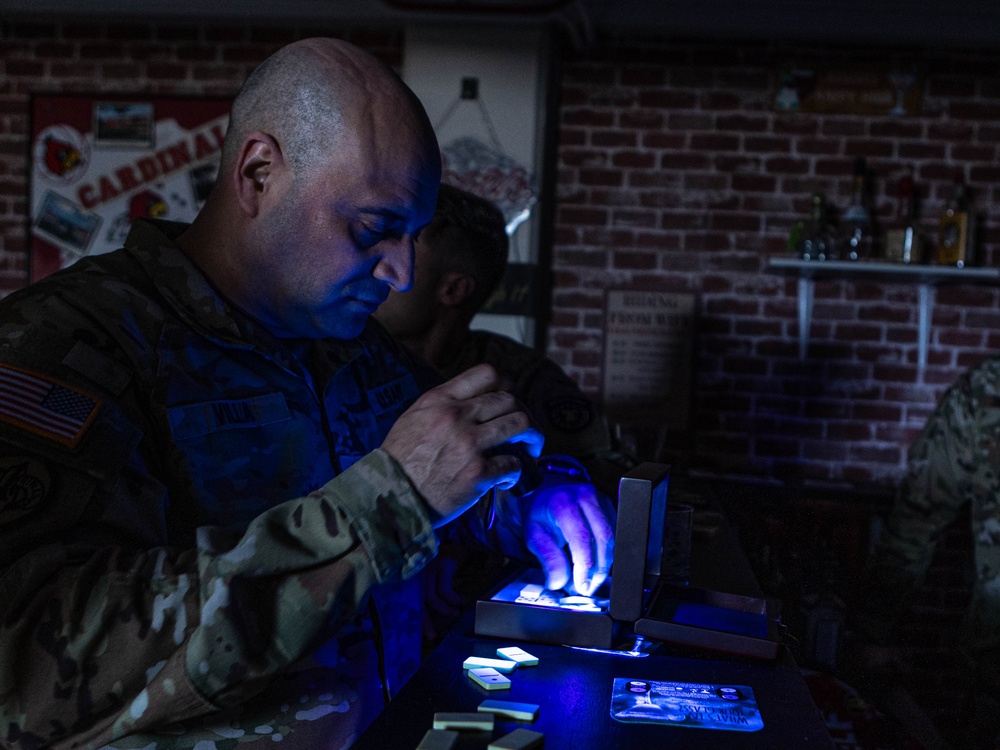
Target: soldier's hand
(441, 441)
(571, 528)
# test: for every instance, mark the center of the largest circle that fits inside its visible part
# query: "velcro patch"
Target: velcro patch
(570, 413)
(24, 484)
(195, 420)
(391, 396)
(44, 406)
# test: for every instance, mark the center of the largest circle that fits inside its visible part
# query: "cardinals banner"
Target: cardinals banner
(99, 163)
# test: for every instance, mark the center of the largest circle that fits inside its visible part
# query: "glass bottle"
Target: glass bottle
(955, 240)
(904, 242)
(812, 239)
(857, 223)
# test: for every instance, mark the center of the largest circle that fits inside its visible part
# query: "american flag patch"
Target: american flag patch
(44, 406)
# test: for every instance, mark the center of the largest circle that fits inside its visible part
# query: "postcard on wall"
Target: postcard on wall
(98, 164)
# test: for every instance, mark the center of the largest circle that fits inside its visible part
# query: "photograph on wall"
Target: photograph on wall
(124, 124)
(648, 357)
(98, 165)
(65, 222)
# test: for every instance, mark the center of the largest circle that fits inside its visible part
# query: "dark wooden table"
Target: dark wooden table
(574, 687)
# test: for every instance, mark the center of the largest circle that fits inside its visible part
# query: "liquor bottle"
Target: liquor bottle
(812, 239)
(857, 224)
(904, 242)
(955, 230)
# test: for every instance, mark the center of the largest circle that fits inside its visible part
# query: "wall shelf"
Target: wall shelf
(926, 278)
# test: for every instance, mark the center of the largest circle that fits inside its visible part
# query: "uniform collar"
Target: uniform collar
(199, 304)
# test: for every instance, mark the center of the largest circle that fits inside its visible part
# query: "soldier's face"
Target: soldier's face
(408, 315)
(341, 237)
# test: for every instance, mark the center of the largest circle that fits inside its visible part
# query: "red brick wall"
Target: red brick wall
(676, 174)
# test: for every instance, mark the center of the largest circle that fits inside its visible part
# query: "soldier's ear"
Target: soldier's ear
(455, 288)
(257, 172)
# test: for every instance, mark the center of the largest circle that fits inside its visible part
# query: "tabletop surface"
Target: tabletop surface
(574, 688)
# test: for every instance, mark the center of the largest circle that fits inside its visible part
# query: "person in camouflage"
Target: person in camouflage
(460, 259)
(219, 477)
(952, 464)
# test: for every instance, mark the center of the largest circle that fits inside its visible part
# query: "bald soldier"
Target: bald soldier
(219, 475)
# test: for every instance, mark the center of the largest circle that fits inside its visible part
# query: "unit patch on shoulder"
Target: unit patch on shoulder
(45, 407)
(24, 483)
(570, 413)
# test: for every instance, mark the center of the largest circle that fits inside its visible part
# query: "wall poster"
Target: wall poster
(648, 357)
(99, 162)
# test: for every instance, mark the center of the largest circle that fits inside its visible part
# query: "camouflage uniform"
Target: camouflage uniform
(177, 567)
(571, 423)
(956, 460)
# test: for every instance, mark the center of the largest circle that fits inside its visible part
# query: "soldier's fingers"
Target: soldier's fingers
(477, 380)
(512, 427)
(602, 527)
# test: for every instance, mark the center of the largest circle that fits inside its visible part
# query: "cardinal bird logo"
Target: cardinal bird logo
(147, 205)
(62, 154)
(61, 157)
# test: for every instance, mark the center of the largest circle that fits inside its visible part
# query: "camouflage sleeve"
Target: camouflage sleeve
(937, 482)
(99, 640)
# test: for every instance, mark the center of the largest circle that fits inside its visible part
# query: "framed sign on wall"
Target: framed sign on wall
(100, 162)
(648, 357)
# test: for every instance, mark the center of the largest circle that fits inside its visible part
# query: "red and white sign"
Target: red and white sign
(98, 163)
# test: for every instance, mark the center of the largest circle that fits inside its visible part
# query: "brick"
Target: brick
(667, 99)
(24, 68)
(166, 71)
(714, 142)
(719, 100)
(628, 261)
(921, 150)
(783, 165)
(634, 159)
(976, 111)
(589, 117)
(613, 138)
(642, 75)
(663, 140)
(640, 119)
(767, 144)
(606, 177)
(973, 153)
(689, 121)
(742, 123)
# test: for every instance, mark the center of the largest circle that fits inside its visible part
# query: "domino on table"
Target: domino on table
(438, 739)
(463, 721)
(489, 678)
(510, 710)
(520, 656)
(519, 739)
(504, 666)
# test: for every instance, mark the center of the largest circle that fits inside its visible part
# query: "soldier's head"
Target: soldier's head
(460, 259)
(330, 168)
